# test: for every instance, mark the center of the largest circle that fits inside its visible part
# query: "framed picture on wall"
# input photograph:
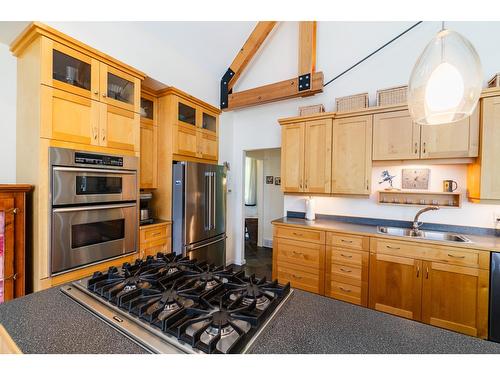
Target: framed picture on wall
(277, 180)
(269, 180)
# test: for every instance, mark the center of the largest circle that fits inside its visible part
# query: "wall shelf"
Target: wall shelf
(419, 198)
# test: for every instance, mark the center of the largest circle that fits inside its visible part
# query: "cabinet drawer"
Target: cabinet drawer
(154, 233)
(347, 241)
(345, 292)
(300, 234)
(342, 271)
(428, 252)
(298, 278)
(347, 257)
(299, 252)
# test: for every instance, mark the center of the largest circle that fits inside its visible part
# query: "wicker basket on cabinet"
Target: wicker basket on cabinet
(352, 102)
(311, 109)
(494, 81)
(392, 95)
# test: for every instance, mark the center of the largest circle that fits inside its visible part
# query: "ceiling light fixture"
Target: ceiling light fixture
(446, 81)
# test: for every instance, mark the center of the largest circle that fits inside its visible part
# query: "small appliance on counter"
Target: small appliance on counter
(310, 209)
(146, 210)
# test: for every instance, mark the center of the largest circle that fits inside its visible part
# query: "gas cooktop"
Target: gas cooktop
(171, 304)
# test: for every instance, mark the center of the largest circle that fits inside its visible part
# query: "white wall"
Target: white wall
(339, 45)
(8, 116)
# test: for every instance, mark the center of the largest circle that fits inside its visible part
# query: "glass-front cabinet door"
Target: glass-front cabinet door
(148, 109)
(70, 70)
(209, 122)
(186, 113)
(119, 88)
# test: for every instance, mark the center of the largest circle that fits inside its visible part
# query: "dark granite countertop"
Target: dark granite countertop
(50, 322)
(480, 242)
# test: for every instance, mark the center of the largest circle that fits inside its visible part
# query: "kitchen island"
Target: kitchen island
(51, 322)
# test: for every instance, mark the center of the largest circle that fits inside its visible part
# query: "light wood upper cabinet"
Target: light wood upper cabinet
(69, 117)
(318, 156)
(463, 305)
(119, 128)
(456, 140)
(292, 157)
(149, 165)
(195, 130)
(67, 69)
(148, 178)
(119, 89)
(483, 179)
(395, 136)
(351, 155)
(396, 285)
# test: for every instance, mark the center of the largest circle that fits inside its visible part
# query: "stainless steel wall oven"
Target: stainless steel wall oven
(94, 207)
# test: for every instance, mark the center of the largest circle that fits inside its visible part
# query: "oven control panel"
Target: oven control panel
(96, 159)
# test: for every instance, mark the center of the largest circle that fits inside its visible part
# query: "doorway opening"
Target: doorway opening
(263, 202)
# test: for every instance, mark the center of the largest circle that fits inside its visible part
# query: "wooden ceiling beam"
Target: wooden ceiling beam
(249, 49)
(307, 47)
(274, 92)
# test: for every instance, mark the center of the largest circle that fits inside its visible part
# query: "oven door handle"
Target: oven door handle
(89, 208)
(92, 170)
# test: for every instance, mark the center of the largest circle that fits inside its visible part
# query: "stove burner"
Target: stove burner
(252, 290)
(209, 277)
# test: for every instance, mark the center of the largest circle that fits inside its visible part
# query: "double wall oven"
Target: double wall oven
(94, 207)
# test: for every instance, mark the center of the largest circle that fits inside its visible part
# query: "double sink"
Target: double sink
(424, 234)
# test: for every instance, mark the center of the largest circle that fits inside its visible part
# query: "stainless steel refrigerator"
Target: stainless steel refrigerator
(199, 211)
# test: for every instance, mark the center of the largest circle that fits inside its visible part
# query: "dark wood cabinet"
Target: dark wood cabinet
(13, 216)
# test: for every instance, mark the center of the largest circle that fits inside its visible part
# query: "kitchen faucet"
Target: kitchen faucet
(416, 223)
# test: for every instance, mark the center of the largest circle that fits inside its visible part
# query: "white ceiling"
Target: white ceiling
(213, 45)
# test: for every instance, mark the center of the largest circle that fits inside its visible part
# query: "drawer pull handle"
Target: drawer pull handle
(456, 256)
(392, 247)
(296, 277)
(346, 271)
(297, 234)
(346, 256)
(418, 271)
(156, 234)
(346, 241)
(345, 290)
(297, 252)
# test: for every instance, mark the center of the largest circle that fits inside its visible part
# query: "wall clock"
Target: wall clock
(415, 179)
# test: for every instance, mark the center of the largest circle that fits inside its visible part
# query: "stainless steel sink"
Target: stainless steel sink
(424, 234)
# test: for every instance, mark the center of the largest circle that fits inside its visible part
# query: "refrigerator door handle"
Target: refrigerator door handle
(208, 197)
(214, 198)
(198, 246)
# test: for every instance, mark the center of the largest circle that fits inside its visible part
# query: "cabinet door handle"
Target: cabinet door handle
(346, 241)
(416, 147)
(427, 272)
(418, 271)
(96, 92)
(346, 271)
(424, 148)
(393, 247)
(103, 95)
(12, 211)
(103, 135)
(11, 277)
(367, 185)
(346, 256)
(345, 290)
(456, 256)
(306, 184)
(95, 131)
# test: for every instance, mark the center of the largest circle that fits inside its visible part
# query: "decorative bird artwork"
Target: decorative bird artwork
(386, 177)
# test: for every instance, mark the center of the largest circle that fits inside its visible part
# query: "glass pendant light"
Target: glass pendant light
(446, 81)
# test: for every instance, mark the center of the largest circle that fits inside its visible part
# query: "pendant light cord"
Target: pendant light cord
(373, 53)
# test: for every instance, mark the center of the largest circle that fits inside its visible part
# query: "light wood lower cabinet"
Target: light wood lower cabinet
(455, 298)
(299, 262)
(450, 293)
(441, 285)
(346, 270)
(155, 238)
(396, 285)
